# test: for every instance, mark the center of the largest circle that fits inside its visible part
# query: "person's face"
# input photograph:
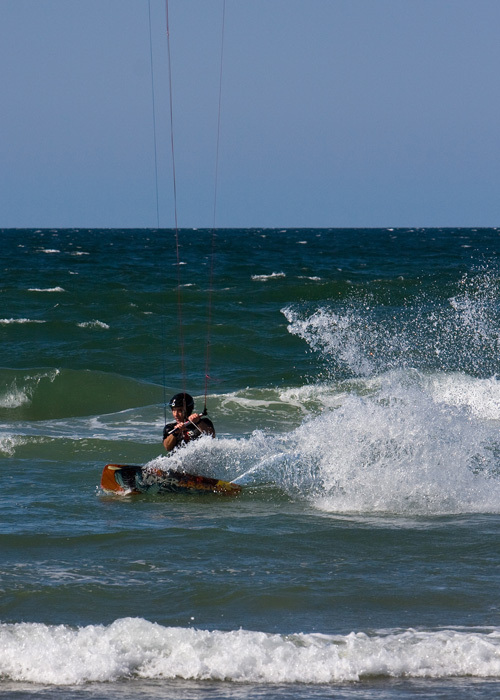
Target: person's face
(178, 414)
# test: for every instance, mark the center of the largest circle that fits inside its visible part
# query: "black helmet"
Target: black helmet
(184, 401)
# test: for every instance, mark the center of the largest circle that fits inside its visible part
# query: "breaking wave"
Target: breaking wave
(135, 648)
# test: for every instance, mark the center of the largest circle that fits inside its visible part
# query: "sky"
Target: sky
(333, 113)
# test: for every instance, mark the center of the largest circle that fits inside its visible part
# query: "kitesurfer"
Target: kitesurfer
(186, 425)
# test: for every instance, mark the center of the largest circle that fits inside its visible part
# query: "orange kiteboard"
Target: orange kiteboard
(130, 478)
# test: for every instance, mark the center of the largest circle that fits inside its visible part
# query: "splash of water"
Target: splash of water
(415, 428)
(403, 442)
(361, 337)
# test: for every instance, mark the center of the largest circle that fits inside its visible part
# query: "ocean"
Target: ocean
(354, 384)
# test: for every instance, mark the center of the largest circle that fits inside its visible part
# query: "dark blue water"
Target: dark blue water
(354, 388)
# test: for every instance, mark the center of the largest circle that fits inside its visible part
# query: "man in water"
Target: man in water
(187, 425)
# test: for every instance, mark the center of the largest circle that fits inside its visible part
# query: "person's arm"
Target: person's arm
(170, 442)
(171, 436)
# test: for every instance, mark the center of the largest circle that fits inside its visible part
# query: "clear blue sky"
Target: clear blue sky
(335, 113)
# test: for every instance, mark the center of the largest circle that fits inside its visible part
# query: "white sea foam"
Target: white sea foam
(399, 452)
(265, 278)
(14, 397)
(50, 289)
(135, 648)
(93, 324)
(9, 443)
(9, 321)
(480, 396)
